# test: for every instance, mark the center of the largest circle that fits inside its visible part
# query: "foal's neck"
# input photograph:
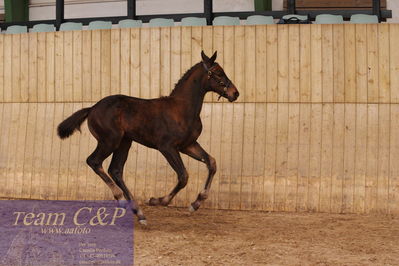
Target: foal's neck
(191, 89)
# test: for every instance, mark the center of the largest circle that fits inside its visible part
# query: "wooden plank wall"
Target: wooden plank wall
(316, 127)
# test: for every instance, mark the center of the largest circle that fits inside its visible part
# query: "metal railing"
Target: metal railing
(208, 14)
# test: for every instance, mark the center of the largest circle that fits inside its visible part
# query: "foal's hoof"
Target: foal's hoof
(143, 222)
(191, 209)
(153, 202)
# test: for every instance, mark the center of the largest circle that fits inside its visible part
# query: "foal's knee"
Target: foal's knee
(93, 163)
(114, 172)
(212, 165)
(183, 179)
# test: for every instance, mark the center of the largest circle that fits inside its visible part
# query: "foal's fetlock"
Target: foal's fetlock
(194, 206)
(158, 201)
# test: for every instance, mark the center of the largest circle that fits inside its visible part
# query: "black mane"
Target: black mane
(185, 77)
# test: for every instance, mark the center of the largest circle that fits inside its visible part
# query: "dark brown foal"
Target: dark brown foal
(169, 124)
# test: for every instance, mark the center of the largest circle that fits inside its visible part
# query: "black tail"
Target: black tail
(72, 123)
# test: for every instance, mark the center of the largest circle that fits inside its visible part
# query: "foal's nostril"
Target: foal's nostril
(236, 94)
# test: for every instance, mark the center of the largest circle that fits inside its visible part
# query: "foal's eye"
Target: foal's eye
(221, 83)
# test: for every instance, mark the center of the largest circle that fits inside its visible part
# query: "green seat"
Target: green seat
(43, 28)
(100, 25)
(71, 26)
(226, 21)
(161, 22)
(259, 20)
(130, 23)
(16, 29)
(329, 19)
(300, 17)
(365, 19)
(193, 21)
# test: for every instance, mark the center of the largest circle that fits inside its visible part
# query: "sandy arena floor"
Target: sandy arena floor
(214, 237)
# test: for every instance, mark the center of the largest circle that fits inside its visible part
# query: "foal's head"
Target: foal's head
(217, 80)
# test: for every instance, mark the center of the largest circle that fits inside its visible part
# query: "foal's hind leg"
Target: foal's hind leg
(197, 152)
(115, 170)
(174, 159)
(95, 161)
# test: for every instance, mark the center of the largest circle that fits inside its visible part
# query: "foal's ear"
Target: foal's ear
(213, 58)
(205, 58)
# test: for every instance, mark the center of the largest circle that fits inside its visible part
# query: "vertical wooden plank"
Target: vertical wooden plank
(225, 175)
(293, 63)
(16, 67)
(196, 45)
(372, 158)
(216, 151)
(349, 158)
(293, 159)
(125, 61)
(272, 60)
(339, 62)
(165, 84)
(77, 66)
(350, 63)
(115, 86)
(393, 183)
(338, 158)
(86, 61)
(261, 69)
(394, 61)
(32, 93)
(63, 110)
(316, 64)
(283, 65)
(304, 156)
(315, 158)
(327, 62)
(155, 63)
(372, 63)
(207, 46)
(96, 59)
(50, 67)
(247, 155)
(24, 68)
(38, 151)
(82, 166)
(175, 58)
(12, 143)
(145, 63)
(250, 63)
(384, 146)
(73, 182)
(5, 133)
(2, 68)
(326, 157)
(41, 67)
(59, 66)
(237, 184)
(218, 42)
(105, 63)
(48, 181)
(135, 60)
(304, 64)
(270, 157)
(68, 66)
(259, 157)
(234, 60)
(20, 151)
(7, 68)
(281, 157)
(29, 151)
(361, 63)
(361, 159)
(384, 61)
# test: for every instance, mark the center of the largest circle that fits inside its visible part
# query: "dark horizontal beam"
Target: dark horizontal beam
(345, 13)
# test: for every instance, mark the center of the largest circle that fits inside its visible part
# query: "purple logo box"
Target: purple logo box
(65, 233)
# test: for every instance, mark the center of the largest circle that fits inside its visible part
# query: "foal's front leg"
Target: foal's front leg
(173, 157)
(197, 152)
